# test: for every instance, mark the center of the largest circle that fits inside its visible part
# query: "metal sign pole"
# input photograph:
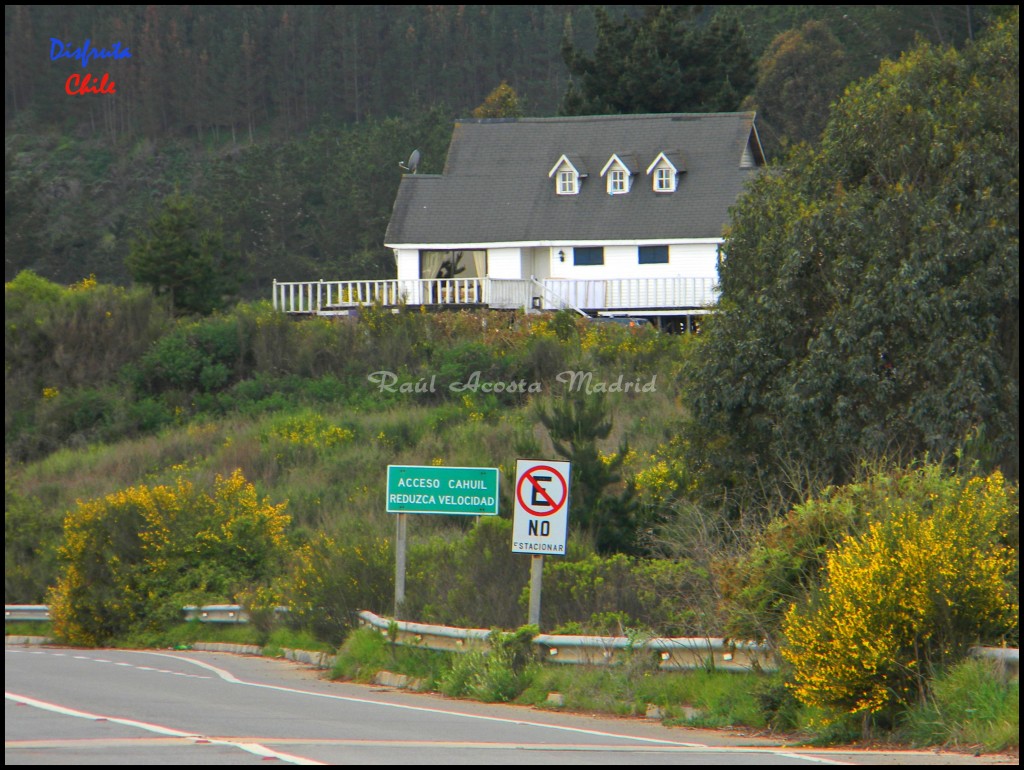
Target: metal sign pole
(536, 574)
(435, 489)
(400, 565)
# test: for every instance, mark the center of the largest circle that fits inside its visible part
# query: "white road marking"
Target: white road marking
(252, 748)
(230, 678)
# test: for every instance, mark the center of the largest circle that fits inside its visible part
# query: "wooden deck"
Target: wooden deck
(586, 296)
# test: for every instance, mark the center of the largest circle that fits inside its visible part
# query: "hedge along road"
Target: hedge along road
(66, 706)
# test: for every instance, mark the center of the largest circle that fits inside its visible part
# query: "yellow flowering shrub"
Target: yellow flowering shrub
(661, 476)
(86, 284)
(905, 599)
(133, 559)
(309, 430)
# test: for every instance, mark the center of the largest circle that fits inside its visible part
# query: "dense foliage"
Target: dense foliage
(785, 562)
(214, 72)
(663, 62)
(870, 287)
(800, 74)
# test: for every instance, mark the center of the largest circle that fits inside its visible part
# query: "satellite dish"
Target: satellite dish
(414, 162)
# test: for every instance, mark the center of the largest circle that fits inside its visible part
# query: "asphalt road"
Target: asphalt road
(70, 707)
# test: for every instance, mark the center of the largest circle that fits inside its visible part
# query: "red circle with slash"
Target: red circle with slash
(555, 507)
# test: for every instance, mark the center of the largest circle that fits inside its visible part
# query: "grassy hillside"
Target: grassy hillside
(106, 392)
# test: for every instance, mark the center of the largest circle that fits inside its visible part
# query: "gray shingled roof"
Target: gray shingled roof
(495, 187)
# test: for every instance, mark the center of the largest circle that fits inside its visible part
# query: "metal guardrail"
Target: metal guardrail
(671, 654)
(1006, 658)
(216, 613)
(210, 613)
(445, 638)
(26, 612)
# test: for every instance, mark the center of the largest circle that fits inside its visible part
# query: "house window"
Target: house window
(653, 255)
(617, 182)
(664, 180)
(566, 183)
(589, 255)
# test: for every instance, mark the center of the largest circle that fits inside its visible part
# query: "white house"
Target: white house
(617, 215)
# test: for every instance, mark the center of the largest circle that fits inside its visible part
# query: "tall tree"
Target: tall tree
(605, 507)
(502, 102)
(871, 287)
(664, 62)
(802, 72)
(181, 259)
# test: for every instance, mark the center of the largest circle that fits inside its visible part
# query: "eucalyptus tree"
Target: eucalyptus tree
(871, 286)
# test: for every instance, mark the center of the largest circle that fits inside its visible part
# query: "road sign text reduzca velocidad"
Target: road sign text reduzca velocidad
(437, 489)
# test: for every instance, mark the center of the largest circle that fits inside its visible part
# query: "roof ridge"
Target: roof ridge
(585, 118)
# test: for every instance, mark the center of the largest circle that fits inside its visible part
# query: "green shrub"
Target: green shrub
(474, 580)
(203, 356)
(29, 291)
(328, 582)
(971, 704)
(905, 600)
(655, 593)
(64, 351)
(499, 674)
(32, 533)
(146, 415)
(171, 363)
(363, 654)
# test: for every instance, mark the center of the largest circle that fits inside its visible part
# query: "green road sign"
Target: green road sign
(437, 489)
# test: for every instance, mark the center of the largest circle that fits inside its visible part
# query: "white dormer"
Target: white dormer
(664, 172)
(618, 174)
(567, 176)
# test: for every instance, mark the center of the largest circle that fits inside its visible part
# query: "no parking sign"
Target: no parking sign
(541, 507)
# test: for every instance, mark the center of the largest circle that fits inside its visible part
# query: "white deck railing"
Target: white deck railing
(338, 297)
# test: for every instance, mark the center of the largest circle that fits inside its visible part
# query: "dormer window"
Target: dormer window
(664, 172)
(567, 174)
(618, 175)
(617, 182)
(566, 183)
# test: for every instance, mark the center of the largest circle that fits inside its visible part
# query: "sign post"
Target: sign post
(400, 564)
(435, 489)
(541, 518)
